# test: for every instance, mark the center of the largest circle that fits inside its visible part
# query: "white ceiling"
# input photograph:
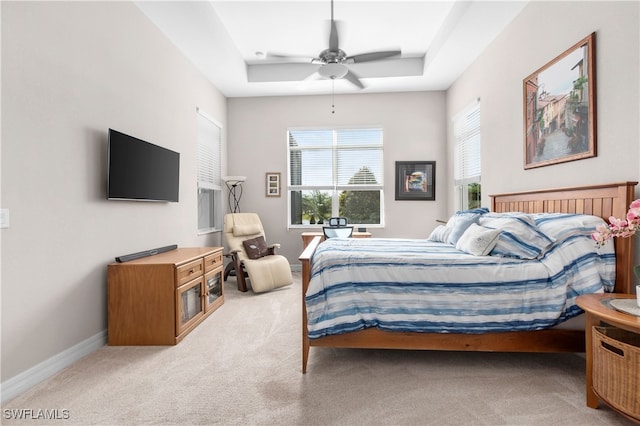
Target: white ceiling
(439, 39)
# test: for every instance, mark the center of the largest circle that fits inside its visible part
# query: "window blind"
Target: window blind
(466, 131)
(209, 174)
(336, 158)
(209, 153)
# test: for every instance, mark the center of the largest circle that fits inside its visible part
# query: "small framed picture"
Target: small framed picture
(416, 180)
(273, 184)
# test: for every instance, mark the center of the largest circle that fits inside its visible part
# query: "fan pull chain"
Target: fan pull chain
(333, 104)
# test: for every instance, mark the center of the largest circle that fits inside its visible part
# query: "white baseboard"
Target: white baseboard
(40, 372)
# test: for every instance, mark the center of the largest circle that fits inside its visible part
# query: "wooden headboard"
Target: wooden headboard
(598, 200)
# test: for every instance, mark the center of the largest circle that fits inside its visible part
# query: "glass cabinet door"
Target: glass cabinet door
(189, 304)
(213, 287)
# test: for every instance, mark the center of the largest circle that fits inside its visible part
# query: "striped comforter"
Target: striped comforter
(416, 285)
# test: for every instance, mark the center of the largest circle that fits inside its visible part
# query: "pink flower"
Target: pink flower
(619, 227)
(634, 211)
(617, 223)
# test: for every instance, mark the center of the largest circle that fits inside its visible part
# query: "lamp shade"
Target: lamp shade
(234, 179)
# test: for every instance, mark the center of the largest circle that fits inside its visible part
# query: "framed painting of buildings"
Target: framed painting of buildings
(560, 108)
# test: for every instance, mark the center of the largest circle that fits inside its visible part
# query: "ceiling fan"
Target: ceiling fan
(333, 61)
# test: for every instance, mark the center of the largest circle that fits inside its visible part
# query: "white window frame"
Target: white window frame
(334, 188)
(209, 174)
(467, 152)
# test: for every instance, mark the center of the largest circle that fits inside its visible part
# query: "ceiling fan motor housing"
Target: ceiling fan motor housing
(328, 56)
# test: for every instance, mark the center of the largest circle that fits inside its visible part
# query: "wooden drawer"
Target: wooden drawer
(189, 271)
(212, 261)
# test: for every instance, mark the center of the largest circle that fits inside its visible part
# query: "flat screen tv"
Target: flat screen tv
(140, 170)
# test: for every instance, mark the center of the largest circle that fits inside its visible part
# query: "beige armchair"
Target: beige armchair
(251, 257)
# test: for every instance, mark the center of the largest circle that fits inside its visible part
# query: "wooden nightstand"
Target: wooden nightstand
(597, 313)
(308, 236)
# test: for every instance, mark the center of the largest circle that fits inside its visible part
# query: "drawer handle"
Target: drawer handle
(191, 271)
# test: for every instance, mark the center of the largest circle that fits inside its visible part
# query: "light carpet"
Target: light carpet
(243, 366)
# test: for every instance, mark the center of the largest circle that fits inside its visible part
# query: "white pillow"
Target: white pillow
(478, 240)
(440, 234)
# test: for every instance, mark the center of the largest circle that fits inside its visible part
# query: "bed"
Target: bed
(602, 201)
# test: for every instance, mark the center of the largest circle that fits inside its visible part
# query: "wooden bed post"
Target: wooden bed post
(624, 246)
(305, 260)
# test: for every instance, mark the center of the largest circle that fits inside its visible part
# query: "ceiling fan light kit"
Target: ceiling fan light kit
(333, 71)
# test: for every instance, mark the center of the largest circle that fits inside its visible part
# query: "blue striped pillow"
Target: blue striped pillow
(519, 238)
(458, 223)
(461, 220)
(561, 225)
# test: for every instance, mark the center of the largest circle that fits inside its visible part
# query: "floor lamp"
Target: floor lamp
(234, 184)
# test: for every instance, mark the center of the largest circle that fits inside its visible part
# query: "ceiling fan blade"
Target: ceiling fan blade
(313, 76)
(353, 79)
(372, 56)
(280, 57)
(333, 35)
(278, 72)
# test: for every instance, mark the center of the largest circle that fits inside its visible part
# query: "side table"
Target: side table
(597, 313)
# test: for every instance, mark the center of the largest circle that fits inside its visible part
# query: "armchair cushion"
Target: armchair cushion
(268, 273)
(256, 247)
(248, 229)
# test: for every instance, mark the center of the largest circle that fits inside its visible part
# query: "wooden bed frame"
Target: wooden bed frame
(599, 200)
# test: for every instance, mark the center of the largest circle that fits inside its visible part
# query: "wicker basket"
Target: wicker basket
(616, 368)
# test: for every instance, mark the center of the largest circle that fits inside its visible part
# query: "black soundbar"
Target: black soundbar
(146, 253)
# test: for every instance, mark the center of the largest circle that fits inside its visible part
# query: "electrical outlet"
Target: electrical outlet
(4, 218)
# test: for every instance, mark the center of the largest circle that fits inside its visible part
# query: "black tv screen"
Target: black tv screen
(140, 170)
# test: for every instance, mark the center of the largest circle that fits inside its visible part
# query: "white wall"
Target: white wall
(414, 129)
(71, 70)
(542, 31)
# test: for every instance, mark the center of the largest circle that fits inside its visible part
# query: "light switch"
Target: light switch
(4, 218)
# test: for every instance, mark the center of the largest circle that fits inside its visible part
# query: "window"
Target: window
(209, 175)
(335, 172)
(466, 132)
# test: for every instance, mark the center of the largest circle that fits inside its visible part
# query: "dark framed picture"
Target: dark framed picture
(560, 108)
(416, 180)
